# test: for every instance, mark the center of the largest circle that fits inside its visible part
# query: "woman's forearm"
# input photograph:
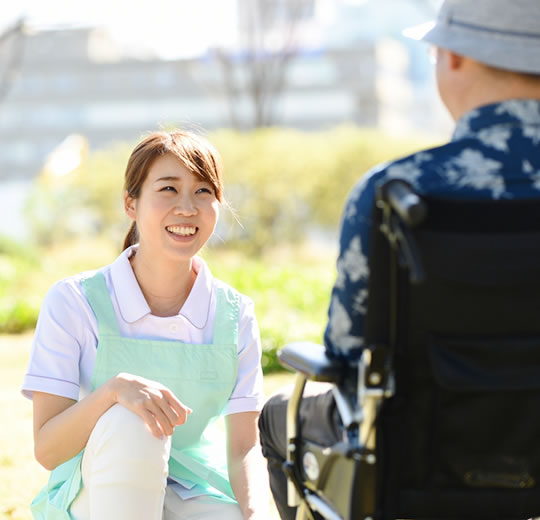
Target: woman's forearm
(67, 425)
(62, 426)
(249, 482)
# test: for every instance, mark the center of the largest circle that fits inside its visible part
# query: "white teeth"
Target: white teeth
(182, 230)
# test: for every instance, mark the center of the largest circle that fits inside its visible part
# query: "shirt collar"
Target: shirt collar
(132, 303)
(513, 112)
(196, 308)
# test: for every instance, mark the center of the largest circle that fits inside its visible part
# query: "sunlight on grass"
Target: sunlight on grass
(20, 476)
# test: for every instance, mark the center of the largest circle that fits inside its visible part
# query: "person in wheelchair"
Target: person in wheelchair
(487, 67)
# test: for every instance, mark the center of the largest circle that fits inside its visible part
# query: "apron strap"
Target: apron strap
(209, 475)
(226, 320)
(97, 294)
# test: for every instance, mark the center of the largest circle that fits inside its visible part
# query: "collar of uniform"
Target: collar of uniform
(196, 309)
(512, 112)
(132, 303)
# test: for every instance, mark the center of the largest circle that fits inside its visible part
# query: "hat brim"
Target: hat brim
(419, 32)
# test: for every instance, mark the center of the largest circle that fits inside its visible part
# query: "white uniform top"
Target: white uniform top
(65, 341)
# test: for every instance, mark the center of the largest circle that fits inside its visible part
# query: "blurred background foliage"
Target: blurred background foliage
(280, 184)
(286, 188)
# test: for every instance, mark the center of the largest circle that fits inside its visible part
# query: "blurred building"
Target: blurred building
(64, 88)
(340, 70)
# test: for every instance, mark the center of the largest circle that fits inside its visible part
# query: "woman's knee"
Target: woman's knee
(123, 463)
(122, 430)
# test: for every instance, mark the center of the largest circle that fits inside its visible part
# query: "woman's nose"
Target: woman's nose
(185, 206)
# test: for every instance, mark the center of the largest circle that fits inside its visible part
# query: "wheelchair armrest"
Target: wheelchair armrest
(310, 359)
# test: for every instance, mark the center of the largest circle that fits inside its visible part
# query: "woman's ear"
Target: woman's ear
(129, 205)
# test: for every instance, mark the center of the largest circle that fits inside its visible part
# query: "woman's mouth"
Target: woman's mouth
(182, 231)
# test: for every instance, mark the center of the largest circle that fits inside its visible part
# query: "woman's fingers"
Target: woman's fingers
(150, 420)
(163, 421)
(175, 411)
(181, 411)
(155, 404)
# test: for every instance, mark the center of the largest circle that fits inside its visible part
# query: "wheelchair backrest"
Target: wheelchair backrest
(460, 437)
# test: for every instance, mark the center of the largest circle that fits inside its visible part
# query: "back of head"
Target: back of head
(502, 34)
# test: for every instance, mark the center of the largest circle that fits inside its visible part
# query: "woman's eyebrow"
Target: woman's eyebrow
(176, 178)
(168, 178)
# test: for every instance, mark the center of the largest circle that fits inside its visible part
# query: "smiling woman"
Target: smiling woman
(133, 363)
(176, 212)
(177, 158)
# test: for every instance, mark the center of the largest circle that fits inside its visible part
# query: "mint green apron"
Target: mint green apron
(201, 376)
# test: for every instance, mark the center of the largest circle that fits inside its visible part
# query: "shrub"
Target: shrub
(18, 311)
(18, 316)
(281, 183)
(290, 289)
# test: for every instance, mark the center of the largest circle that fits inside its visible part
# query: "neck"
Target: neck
(495, 87)
(165, 285)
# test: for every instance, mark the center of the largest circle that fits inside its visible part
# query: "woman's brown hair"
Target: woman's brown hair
(195, 153)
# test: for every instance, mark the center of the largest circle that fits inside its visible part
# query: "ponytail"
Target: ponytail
(132, 237)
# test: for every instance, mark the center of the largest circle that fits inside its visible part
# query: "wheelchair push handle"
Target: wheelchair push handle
(404, 201)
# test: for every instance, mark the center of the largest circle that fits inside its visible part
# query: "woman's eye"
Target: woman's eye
(168, 188)
(203, 190)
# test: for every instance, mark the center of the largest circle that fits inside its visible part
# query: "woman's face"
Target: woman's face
(176, 212)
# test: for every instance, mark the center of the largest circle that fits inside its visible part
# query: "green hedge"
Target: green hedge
(18, 309)
(280, 183)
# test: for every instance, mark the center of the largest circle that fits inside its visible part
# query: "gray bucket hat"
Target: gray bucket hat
(501, 33)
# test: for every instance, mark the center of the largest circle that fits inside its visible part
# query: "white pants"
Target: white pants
(124, 473)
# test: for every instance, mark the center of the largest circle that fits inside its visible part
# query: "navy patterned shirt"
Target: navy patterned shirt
(494, 154)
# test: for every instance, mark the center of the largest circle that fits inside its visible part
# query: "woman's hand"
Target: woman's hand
(62, 426)
(159, 408)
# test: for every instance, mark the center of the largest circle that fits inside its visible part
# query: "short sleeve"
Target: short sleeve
(344, 334)
(248, 395)
(63, 331)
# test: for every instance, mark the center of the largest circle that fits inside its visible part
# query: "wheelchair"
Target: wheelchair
(440, 417)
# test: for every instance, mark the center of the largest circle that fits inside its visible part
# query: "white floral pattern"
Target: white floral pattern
(359, 305)
(494, 153)
(533, 133)
(409, 171)
(533, 174)
(496, 138)
(526, 111)
(463, 127)
(422, 157)
(339, 328)
(351, 208)
(479, 172)
(355, 262)
(352, 265)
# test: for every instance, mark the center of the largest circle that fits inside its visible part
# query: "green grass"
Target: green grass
(21, 477)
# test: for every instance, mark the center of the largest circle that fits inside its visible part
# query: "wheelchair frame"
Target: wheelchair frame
(456, 364)
(357, 410)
